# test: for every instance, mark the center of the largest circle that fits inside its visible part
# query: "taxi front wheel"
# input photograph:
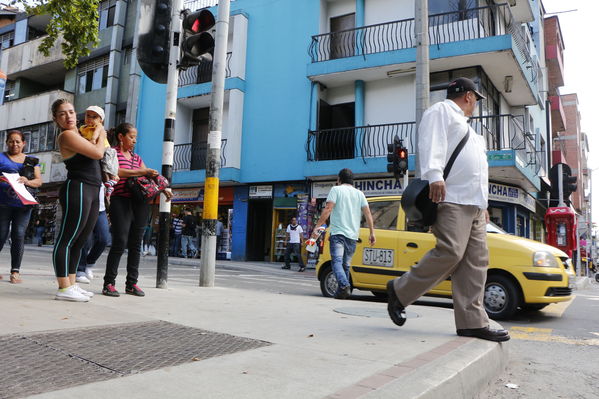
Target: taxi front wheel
(502, 297)
(328, 282)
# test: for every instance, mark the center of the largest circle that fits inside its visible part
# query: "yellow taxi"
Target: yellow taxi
(522, 273)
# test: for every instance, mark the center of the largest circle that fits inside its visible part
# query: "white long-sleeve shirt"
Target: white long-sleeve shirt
(442, 127)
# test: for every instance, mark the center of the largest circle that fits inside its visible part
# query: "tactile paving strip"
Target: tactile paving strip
(44, 362)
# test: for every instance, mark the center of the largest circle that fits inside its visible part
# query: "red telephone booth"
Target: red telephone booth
(560, 223)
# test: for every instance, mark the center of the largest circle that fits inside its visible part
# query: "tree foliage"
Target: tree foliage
(75, 20)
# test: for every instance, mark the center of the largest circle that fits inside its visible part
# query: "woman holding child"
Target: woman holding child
(79, 197)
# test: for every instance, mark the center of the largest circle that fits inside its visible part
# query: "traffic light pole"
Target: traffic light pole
(560, 184)
(422, 69)
(168, 144)
(210, 216)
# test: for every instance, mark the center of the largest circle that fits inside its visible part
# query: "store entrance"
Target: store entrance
(259, 230)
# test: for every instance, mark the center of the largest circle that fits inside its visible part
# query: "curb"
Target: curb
(583, 283)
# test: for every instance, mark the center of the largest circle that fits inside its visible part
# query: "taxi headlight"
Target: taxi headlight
(544, 259)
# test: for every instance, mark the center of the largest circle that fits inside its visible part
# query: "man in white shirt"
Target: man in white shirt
(460, 229)
(294, 238)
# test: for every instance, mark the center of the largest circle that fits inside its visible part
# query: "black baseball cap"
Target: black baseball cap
(462, 85)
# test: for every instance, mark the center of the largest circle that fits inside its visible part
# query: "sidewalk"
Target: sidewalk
(304, 346)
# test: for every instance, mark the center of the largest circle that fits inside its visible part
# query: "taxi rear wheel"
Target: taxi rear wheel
(502, 297)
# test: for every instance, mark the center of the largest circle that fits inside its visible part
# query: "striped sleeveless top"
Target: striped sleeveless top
(121, 189)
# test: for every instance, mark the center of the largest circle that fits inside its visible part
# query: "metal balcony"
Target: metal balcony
(192, 156)
(202, 73)
(362, 141)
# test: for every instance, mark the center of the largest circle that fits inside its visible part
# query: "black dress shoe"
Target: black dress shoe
(286, 267)
(343, 293)
(396, 310)
(485, 333)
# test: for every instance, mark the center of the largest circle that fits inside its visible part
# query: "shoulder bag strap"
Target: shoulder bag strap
(456, 152)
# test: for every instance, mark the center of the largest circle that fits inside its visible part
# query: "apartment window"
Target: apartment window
(107, 10)
(92, 75)
(38, 138)
(444, 6)
(7, 39)
(9, 90)
(343, 36)
(127, 54)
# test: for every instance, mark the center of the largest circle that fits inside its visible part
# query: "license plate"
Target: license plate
(378, 257)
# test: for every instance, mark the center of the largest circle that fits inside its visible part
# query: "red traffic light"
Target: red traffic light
(199, 21)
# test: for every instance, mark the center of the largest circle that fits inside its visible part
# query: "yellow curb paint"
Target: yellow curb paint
(545, 335)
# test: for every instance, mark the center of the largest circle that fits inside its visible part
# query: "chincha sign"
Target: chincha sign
(512, 195)
(370, 187)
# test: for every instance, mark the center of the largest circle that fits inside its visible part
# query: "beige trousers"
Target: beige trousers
(461, 252)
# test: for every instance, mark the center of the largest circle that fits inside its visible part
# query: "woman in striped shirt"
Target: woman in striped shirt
(128, 216)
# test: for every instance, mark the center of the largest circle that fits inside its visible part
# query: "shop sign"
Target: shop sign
(261, 191)
(370, 187)
(500, 157)
(186, 195)
(512, 195)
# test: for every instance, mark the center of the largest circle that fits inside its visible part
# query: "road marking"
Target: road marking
(558, 309)
(545, 335)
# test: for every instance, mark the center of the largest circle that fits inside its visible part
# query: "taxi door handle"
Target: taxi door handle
(359, 240)
(412, 245)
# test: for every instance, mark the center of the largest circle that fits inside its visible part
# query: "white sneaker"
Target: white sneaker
(71, 294)
(82, 278)
(88, 294)
(89, 273)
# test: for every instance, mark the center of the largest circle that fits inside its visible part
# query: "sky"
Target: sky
(580, 30)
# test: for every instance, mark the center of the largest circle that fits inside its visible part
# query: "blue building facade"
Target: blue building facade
(325, 85)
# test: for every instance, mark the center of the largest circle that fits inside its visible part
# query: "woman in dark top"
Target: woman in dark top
(13, 214)
(128, 217)
(78, 197)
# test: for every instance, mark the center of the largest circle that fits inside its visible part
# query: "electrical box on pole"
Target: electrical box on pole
(155, 38)
(197, 39)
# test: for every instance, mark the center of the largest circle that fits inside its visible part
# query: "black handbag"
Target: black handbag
(28, 171)
(419, 208)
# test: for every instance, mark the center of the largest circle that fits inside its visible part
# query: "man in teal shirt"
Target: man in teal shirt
(345, 204)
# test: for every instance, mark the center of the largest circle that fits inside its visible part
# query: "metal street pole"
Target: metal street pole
(210, 216)
(168, 144)
(422, 68)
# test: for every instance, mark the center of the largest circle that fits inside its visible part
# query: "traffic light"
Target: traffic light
(568, 183)
(397, 158)
(154, 38)
(197, 41)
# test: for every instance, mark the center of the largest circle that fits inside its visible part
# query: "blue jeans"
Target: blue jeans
(176, 245)
(342, 250)
(17, 219)
(39, 233)
(95, 244)
(187, 241)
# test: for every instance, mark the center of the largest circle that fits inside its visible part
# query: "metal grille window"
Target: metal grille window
(7, 39)
(92, 75)
(106, 10)
(38, 138)
(9, 90)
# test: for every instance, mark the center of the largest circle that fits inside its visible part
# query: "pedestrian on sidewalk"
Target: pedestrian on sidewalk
(128, 216)
(294, 239)
(95, 244)
(219, 234)
(78, 197)
(460, 228)
(345, 204)
(40, 228)
(177, 230)
(14, 215)
(188, 234)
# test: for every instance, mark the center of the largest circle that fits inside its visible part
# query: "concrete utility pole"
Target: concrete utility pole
(422, 67)
(210, 216)
(168, 144)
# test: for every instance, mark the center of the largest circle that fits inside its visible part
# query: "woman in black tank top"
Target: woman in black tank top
(78, 198)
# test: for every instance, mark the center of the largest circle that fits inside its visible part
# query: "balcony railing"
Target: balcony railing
(192, 156)
(194, 5)
(474, 23)
(501, 132)
(351, 142)
(507, 132)
(201, 73)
